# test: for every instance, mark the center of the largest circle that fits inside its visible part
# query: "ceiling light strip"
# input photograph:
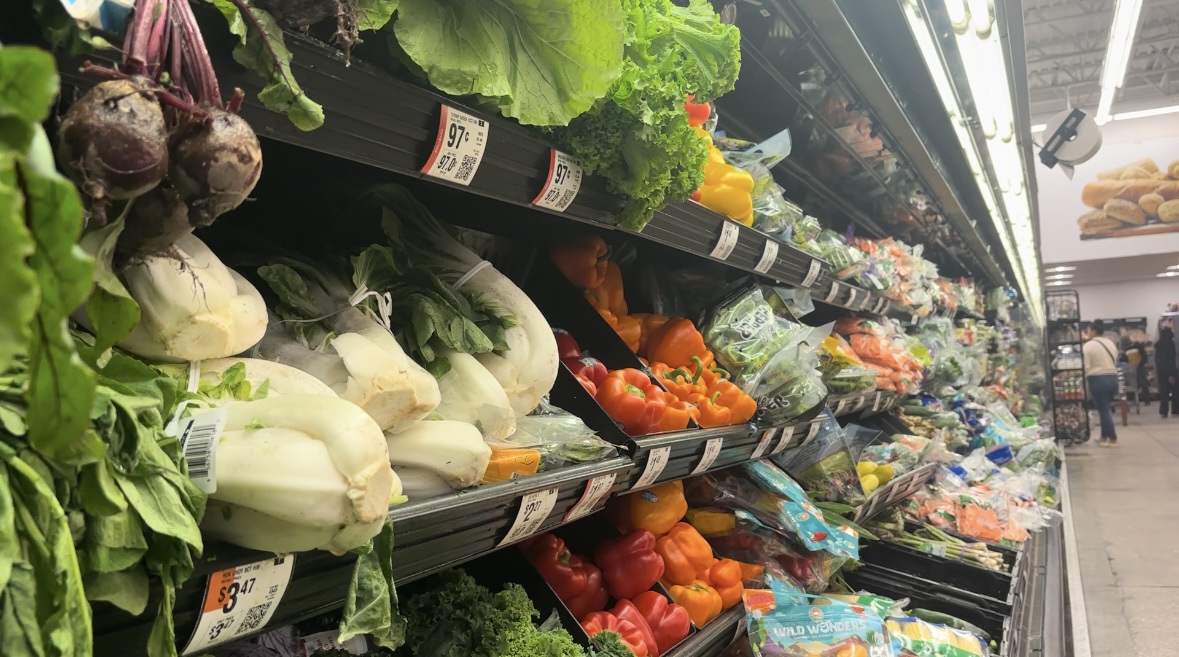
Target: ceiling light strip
(1117, 54)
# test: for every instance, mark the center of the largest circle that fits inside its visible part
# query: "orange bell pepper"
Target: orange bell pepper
(609, 294)
(583, 261)
(751, 572)
(676, 343)
(678, 381)
(711, 413)
(741, 405)
(725, 576)
(629, 396)
(677, 414)
(625, 326)
(656, 509)
(685, 553)
(701, 600)
(650, 323)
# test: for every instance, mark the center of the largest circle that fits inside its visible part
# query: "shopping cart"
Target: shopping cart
(1128, 390)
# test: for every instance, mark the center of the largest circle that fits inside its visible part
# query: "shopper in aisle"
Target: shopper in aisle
(1166, 370)
(1101, 371)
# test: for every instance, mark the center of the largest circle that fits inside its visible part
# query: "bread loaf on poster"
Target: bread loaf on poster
(1150, 203)
(1173, 170)
(1095, 222)
(1147, 165)
(1135, 173)
(1169, 212)
(1095, 194)
(1125, 211)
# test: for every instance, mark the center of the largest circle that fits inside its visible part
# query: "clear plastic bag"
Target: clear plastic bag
(547, 439)
(825, 466)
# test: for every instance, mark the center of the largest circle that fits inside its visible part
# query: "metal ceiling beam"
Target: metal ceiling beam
(1087, 53)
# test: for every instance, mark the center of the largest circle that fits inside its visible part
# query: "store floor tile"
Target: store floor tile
(1128, 537)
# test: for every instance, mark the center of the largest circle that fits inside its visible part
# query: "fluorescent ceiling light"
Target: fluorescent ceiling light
(1039, 127)
(1167, 274)
(1142, 114)
(1050, 269)
(1117, 53)
(1058, 277)
(1173, 267)
(1056, 283)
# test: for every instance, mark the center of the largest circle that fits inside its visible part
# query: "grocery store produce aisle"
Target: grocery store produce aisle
(1128, 536)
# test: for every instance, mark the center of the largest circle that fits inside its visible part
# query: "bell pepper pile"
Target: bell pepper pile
(702, 584)
(624, 570)
(678, 358)
(726, 189)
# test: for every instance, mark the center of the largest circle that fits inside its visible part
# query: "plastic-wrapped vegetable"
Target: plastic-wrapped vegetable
(825, 466)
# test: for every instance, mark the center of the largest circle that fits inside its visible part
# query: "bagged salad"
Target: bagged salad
(782, 623)
(825, 466)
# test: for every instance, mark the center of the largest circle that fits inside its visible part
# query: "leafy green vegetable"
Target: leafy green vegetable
(371, 605)
(542, 62)
(263, 51)
(609, 644)
(456, 617)
(638, 136)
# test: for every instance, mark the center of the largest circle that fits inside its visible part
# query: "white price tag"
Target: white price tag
(767, 437)
(865, 301)
(810, 435)
(841, 407)
(787, 436)
(240, 601)
(769, 255)
(851, 298)
(198, 440)
(712, 449)
(656, 461)
(458, 147)
(728, 240)
(812, 273)
(330, 640)
(833, 293)
(595, 490)
(913, 319)
(876, 402)
(564, 181)
(535, 508)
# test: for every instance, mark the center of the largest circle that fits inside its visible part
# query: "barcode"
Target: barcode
(467, 168)
(198, 446)
(253, 619)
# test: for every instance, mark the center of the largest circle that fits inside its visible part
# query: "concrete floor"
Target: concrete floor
(1127, 529)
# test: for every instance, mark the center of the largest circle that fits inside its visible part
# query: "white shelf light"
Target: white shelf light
(1117, 54)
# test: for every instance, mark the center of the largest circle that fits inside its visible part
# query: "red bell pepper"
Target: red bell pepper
(588, 367)
(587, 384)
(604, 621)
(629, 397)
(576, 582)
(668, 621)
(629, 563)
(625, 610)
(567, 346)
(593, 598)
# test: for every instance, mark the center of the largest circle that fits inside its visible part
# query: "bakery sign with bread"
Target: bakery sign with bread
(1140, 198)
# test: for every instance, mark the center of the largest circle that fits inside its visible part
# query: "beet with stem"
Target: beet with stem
(155, 221)
(114, 142)
(215, 163)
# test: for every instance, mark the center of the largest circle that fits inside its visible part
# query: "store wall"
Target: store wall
(1132, 299)
(1064, 239)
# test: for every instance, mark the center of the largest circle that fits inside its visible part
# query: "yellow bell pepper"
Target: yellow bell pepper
(712, 522)
(726, 189)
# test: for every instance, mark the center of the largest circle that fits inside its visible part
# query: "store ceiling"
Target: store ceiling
(1066, 42)
(1115, 270)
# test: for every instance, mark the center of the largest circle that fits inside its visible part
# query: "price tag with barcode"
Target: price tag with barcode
(240, 601)
(831, 295)
(767, 437)
(595, 490)
(656, 462)
(330, 640)
(769, 255)
(851, 297)
(787, 436)
(458, 147)
(198, 442)
(535, 508)
(563, 183)
(812, 273)
(727, 242)
(841, 407)
(810, 435)
(712, 449)
(876, 402)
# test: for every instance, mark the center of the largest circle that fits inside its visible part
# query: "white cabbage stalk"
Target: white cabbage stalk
(300, 472)
(421, 484)
(528, 369)
(471, 394)
(345, 348)
(452, 450)
(277, 378)
(192, 307)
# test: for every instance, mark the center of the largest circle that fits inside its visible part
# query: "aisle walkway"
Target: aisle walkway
(1127, 526)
